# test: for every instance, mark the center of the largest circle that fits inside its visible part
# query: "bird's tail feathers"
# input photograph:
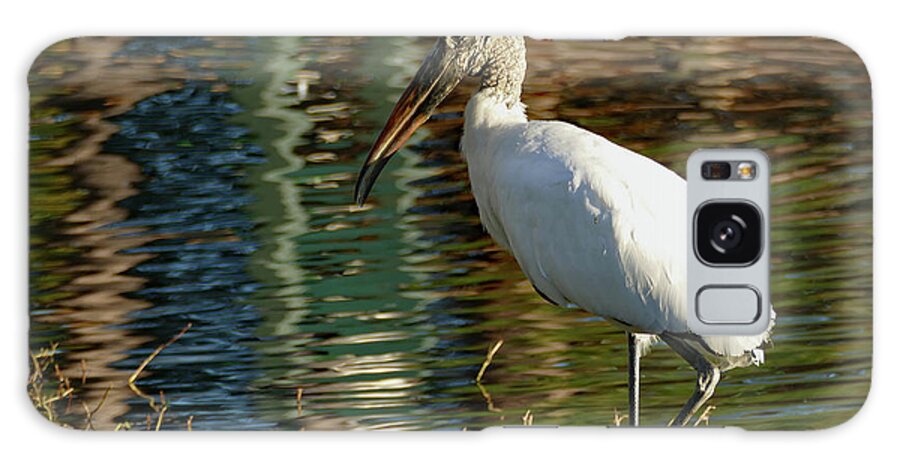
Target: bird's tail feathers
(739, 351)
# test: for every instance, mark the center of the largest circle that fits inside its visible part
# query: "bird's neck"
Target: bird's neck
(504, 72)
(508, 96)
(488, 109)
(487, 117)
(503, 86)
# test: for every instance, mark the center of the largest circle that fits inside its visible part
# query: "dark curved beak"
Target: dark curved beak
(431, 84)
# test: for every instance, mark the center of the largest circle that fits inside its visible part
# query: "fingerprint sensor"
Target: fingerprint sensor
(722, 304)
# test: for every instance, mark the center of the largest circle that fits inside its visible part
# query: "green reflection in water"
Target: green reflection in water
(383, 315)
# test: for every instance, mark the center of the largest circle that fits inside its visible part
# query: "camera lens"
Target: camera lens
(716, 170)
(728, 233)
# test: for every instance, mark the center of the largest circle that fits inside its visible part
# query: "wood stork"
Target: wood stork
(591, 224)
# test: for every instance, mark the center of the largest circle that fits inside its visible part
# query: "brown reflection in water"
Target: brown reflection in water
(663, 97)
(803, 100)
(99, 86)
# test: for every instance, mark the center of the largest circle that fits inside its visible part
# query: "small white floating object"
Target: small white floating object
(304, 78)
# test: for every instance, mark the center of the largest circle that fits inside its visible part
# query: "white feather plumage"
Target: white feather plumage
(590, 223)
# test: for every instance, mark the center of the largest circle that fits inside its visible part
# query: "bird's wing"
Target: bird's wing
(596, 225)
(593, 223)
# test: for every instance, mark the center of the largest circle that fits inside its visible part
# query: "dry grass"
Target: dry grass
(528, 418)
(487, 361)
(704, 417)
(134, 376)
(619, 419)
(47, 386)
(54, 393)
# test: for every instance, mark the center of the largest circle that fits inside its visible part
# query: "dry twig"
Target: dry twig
(528, 418)
(162, 413)
(147, 361)
(487, 398)
(89, 413)
(619, 419)
(490, 357)
(704, 418)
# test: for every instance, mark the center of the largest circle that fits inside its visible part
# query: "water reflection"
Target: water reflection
(210, 181)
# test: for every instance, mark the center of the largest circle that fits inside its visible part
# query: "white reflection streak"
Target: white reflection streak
(293, 124)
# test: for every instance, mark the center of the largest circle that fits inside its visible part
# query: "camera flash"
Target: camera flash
(746, 170)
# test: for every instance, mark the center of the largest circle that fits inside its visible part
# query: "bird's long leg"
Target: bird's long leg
(707, 378)
(634, 380)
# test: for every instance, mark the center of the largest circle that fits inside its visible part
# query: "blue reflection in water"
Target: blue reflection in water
(192, 202)
(383, 315)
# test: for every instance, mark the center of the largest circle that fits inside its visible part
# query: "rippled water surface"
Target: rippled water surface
(209, 181)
